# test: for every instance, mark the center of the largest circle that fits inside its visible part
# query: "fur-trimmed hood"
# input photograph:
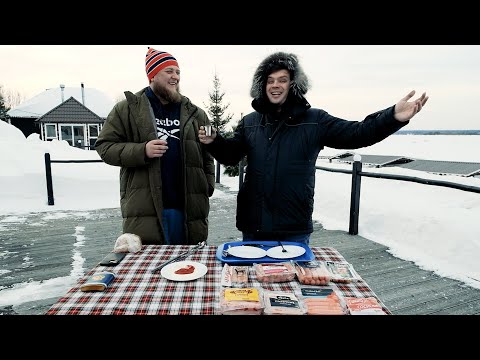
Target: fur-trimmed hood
(277, 61)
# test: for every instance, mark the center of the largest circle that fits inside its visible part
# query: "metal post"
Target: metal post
(355, 196)
(217, 178)
(48, 174)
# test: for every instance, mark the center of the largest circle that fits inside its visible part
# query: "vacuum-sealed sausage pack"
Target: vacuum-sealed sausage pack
(364, 306)
(282, 303)
(324, 300)
(241, 301)
(274, 272)
(341, 272)
(235, 275)
(312, 272)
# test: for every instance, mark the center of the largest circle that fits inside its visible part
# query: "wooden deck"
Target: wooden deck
(41, 246)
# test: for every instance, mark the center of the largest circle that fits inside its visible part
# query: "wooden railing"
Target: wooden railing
(48, 173)
(356, 173)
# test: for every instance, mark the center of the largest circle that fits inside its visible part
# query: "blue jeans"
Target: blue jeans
(302, 238)
(173, 222)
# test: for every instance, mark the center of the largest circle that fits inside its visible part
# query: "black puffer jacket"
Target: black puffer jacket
(277, 195)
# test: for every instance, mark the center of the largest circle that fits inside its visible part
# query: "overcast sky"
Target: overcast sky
(348, 81)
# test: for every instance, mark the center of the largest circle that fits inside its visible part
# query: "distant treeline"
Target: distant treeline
(438, 132)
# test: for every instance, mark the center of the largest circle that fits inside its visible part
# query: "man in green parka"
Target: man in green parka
(166, 175)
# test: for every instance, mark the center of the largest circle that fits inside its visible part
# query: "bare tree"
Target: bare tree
(3, 108)
(11, 98)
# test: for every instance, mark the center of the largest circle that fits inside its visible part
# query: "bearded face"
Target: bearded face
(165, 84)
(167, 93)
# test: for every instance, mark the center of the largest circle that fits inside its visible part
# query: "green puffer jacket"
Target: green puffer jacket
(128, 128)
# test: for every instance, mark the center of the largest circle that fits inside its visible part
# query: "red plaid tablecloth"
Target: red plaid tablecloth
(138, 291)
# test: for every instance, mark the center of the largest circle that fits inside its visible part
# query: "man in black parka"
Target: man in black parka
(282, 139)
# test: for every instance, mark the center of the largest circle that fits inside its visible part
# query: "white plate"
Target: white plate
(292, 252)
(168, 272)
(247, 252)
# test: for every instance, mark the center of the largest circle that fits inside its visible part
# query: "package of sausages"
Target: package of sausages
(241, 301)
(274, 272)
(364, 306)
(312, 272)
(323, 300)
(282, 303)
(341, 272)
(235, 275)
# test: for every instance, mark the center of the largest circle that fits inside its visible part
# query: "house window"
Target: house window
(93, 131)
(73, 134)
(50, 132)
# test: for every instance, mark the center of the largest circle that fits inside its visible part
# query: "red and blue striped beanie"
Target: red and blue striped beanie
(157, 60)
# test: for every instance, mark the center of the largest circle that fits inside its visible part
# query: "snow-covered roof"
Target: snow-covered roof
(95, 100)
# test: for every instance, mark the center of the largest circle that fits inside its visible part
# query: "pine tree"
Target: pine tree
(232, 170)
(216, 110)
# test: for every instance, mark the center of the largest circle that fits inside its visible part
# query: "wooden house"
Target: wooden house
(75, 115)
(72, 122)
